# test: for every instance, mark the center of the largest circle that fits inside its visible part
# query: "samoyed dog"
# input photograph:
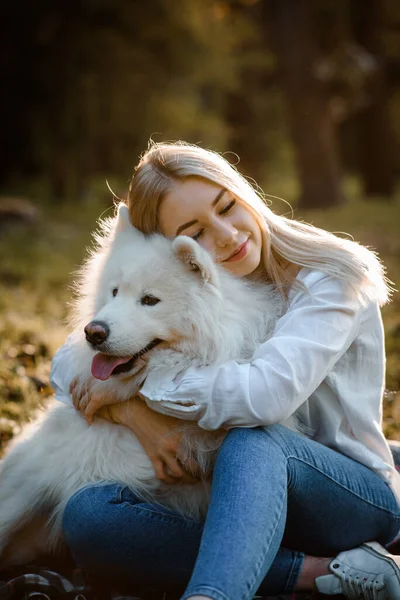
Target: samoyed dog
(145, 303)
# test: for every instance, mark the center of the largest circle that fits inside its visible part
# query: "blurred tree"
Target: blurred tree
(249, 105)
(376, 139)
(87, 82)
(312, 127)
(94, 79)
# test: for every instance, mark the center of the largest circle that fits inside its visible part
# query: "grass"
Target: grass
(35, 272)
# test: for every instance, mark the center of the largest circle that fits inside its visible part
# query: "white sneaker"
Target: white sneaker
(368, 572)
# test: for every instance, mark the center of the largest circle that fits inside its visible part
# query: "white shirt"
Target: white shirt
(325, 361)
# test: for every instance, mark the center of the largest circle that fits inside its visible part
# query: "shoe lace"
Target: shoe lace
(354, 587)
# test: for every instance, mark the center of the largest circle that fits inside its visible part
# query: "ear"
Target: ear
(123, 222)
(124, 225)
(197, 259)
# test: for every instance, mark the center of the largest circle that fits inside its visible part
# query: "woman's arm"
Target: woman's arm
(158, 434)
(321, 323)
(160, 437)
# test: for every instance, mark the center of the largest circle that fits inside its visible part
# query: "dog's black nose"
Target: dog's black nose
(97, 332)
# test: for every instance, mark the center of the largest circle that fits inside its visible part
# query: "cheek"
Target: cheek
(256, 231)
(258, 237)
(245, 220)
(206, 243)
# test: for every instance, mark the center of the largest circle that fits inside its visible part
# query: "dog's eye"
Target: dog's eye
(149, 300)
(115, 292)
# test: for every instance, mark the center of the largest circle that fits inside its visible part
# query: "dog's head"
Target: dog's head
(150, 292)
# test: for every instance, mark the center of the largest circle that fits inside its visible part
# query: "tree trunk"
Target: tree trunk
(376, 140)
(312, 128)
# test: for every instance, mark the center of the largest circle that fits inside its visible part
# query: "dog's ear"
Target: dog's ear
(124, 225)
(197, 259)
(123, 222)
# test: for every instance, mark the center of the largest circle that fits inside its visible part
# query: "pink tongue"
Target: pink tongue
(103, 364)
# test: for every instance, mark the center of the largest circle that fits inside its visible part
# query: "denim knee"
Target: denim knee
(83, 520)
(247, 436)
(242, 435)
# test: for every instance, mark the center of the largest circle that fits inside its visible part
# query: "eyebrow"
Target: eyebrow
(214, 202)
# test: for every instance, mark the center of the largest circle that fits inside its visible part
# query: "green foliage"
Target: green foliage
(35, 273)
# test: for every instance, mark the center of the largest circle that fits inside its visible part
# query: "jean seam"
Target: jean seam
(265, 550)
(331, 478)
(205, 590)
(158, 516)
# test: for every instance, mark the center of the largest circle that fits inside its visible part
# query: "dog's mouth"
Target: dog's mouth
(105, 365)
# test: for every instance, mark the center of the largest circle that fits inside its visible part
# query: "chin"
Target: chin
(245, 267)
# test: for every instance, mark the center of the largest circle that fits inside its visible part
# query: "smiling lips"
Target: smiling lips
(239, 253)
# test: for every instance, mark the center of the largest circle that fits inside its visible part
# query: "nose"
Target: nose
(226, 234)
(97, 332)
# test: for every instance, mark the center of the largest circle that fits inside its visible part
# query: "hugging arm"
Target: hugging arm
(319, 326)
(159, 435)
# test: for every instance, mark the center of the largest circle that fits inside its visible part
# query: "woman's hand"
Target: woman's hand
(158, 434)
(87, 399)
(160, 437)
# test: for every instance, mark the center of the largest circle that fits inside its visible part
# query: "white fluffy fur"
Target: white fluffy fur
(205, 316)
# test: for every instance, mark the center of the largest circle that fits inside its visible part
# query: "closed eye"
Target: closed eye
(224, 211)
(228, 207)
(198, 235)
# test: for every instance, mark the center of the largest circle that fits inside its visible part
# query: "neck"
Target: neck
(260, 274)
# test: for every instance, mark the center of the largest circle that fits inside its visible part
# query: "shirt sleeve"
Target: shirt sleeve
(62, 371)
(319, 326)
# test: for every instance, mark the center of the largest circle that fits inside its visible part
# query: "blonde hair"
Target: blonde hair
(294, 241)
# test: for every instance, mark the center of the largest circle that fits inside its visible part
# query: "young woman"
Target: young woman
(287, 512)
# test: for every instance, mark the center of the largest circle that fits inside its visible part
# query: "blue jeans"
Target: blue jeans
(275, 496)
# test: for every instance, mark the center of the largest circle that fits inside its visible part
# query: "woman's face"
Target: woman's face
(214, 218)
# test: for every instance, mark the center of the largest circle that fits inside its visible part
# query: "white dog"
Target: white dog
(148, 303)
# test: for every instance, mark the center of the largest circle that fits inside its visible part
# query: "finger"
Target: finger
(81, 401)
(92, 407)
(161, 472)
(79, 395)
(76, 399)
(179, 471)
(191, 466)
(73, 385)
(174, 467)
